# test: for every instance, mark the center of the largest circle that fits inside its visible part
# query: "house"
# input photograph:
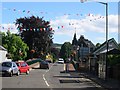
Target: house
(99, 57)
(83, 47)
(3, 54)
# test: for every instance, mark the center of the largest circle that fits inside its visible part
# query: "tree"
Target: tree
(37, 33)
(97, 45)
(65, 51)
(15, 46)
(119, 46)
(55, 53)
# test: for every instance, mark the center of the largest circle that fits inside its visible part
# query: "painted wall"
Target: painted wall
(3, 56)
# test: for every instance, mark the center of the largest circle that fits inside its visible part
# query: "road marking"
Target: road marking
(64, 67)
(45, 73)
(50, 68)
(45, 80)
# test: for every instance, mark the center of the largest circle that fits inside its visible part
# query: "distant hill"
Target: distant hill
(56, 45)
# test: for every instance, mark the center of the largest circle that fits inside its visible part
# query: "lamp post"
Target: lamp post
(89, 57)
(106, 6)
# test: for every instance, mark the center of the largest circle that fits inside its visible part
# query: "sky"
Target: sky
(66, 18)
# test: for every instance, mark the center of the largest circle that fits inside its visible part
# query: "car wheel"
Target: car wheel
(11, 74)
(27, 72)
(18, 73)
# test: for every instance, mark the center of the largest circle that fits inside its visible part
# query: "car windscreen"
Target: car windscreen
(44, 62)
(61, 60)
(7, 64)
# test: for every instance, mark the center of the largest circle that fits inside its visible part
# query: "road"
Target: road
(49, 78)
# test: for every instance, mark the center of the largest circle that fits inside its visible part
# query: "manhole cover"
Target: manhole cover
(69, 81)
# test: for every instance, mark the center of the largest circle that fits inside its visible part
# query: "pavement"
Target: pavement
(109, 84)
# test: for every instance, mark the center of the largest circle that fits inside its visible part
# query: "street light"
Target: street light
(106, 4)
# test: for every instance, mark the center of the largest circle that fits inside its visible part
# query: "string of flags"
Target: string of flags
(92, 18)
(43, 12)
(38, 29)
(28, 29)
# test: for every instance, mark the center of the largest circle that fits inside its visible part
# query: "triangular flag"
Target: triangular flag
(58, 27)
(23, 10)
(28, 12)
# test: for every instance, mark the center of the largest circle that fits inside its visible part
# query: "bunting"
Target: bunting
(44, 12)
(92, 18)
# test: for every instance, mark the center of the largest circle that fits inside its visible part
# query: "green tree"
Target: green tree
(55, 53)
(37, 34)
(65, 51)
(97, 45)
(114, 59)
(15, 46)
(119, 46)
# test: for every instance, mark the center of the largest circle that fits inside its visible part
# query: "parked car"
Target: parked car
(48, 60)
(9, 68)
(60, 61)
(23, 67)
(44, 64)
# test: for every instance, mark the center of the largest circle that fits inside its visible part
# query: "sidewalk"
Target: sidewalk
(109, 84)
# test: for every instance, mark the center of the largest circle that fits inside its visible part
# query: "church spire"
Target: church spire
(74, 41)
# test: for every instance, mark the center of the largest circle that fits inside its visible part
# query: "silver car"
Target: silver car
(60, 61)
(9, 68)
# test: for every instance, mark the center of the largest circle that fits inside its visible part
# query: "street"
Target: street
(52, 78)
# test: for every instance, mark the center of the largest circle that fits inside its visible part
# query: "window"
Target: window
(14, 65)
(23, 65)
(7, 64)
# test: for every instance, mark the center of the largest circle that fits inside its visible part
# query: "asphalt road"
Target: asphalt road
(52, 78)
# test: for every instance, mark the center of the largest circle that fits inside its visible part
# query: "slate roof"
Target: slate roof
(110, 40)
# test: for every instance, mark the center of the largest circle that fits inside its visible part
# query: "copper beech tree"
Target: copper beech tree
(37, 34)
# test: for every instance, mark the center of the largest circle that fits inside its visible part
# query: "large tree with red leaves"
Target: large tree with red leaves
(37, 33)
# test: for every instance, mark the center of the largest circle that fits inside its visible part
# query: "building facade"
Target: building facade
(3, 54)
(101, 60)
(83, 48)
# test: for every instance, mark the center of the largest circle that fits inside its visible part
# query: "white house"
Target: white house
(3, 53)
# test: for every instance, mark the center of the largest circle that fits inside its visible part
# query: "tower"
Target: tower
(74, 41)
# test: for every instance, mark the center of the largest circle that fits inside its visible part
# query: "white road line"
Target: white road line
(45, 80)
(64, 67)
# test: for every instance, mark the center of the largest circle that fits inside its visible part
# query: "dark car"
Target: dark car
(44, 65)
(9, 68)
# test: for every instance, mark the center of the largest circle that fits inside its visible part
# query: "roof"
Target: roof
(105, 51)
(87, 42)
(114, 51)
(2, 48)
(111, 51)
(104, 45)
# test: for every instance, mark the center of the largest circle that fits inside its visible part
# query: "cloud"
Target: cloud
(93, 27)
(11, 27)
(88, 24)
